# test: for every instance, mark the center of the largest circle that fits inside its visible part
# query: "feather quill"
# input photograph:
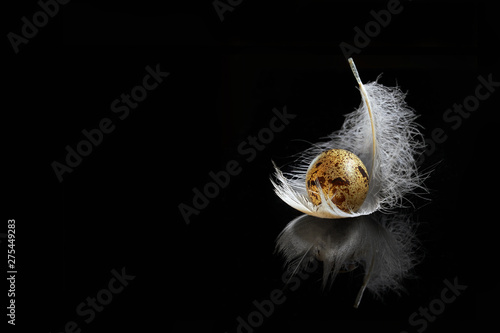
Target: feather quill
(383, 134)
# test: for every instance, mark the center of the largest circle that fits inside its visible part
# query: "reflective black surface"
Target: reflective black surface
(173, 200)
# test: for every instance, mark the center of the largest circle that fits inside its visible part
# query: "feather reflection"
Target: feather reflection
(383, 245)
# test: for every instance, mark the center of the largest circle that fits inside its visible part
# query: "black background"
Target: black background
(119, 207)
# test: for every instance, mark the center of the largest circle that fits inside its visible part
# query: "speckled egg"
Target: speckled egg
(343, 179)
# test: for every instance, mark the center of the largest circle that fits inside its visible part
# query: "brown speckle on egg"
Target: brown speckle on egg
(343, 179)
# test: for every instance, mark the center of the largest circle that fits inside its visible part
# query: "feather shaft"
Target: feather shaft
(368, 107)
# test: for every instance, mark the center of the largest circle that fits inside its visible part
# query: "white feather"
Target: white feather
(383, 134)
